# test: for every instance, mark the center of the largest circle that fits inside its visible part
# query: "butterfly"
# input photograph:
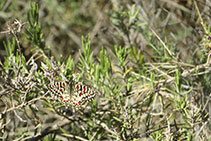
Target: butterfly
(74, 93)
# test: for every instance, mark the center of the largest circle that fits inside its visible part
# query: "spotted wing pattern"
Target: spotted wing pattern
(74, 93)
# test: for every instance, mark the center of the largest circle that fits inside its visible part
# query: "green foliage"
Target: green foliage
(145, 89)
(2, 4)
(34, 31)
(86, 58)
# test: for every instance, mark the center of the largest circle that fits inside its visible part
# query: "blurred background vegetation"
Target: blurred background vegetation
(150, 64)
(66, 21)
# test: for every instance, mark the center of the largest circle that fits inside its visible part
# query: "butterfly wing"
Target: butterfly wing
(82, 94)
(75, 93)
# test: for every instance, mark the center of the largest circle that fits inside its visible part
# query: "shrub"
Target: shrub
(138, 86)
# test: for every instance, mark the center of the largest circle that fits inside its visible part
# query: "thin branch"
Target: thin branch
(54, 129)
(147, 133)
